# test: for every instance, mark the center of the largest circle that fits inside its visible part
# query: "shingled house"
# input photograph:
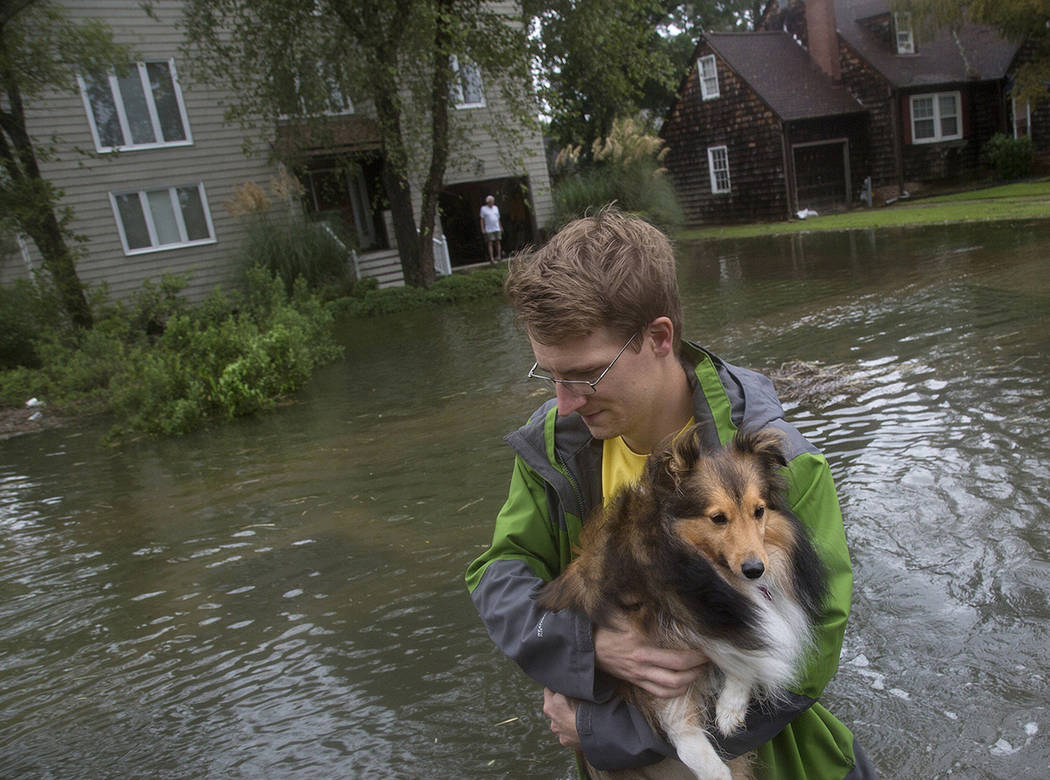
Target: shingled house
(829, 94)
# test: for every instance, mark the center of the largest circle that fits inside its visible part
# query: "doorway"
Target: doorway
(822, 181)
(348, 191)
(460, 217)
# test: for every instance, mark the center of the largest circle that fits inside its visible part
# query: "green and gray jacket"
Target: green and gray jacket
(557, 483)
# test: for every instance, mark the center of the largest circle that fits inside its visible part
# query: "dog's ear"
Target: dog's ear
(766, 445)
(672, 459)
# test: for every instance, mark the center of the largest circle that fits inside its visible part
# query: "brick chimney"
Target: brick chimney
(821, 35)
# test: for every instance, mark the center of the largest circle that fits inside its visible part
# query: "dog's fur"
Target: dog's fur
(703, 553)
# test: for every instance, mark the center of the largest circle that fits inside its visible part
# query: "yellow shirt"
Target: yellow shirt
(622, 466)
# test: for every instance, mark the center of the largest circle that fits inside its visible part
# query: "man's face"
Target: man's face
(620, 401)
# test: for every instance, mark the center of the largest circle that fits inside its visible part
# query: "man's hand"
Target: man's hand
(624, 652)
(562, 712)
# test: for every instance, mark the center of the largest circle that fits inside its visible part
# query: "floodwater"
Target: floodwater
(283, 597)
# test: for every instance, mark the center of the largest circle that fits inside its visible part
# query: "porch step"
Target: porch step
(384, 266)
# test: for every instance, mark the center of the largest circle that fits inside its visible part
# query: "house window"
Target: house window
(935, 117)
(718, 162)
(139, 109)
(905, 39)
(466, 84)
(299, 98)
(165, 218)
(708, 77)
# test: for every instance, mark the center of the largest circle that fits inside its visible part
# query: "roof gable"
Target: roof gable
(783, 75)
(977, 53)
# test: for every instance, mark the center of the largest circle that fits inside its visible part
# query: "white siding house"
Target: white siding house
(150, 196)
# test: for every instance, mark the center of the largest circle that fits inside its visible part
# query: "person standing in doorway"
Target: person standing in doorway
(492, 228)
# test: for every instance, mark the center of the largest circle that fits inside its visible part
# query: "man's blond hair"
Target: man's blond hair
(608, 270)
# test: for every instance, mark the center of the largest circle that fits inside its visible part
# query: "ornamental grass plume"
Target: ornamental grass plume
(568, 158)
(285, 186)
(248, 198)
(627, 143)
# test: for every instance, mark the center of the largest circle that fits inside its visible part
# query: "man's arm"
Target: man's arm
(557, 649)
(528, 549)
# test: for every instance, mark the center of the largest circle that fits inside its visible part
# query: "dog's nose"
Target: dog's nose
(752, 568)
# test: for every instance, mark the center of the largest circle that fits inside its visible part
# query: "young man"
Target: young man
(492, 229)
(601, 309)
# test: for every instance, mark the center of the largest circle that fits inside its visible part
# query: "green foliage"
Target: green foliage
(1011, 158)
(627, 169)
(162, 367)
(291, 247)
(21, 307)
(599, 59)
(486, 283)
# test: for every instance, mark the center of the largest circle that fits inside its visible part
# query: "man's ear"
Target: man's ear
(660, 334)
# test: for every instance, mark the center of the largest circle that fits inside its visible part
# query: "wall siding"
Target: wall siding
(982, 118)
(741, 121)
(875, 93)
(491, 152)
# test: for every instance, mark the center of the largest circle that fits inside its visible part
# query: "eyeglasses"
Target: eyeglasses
(580, 386)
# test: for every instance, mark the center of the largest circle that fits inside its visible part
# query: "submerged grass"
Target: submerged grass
(1020, 200)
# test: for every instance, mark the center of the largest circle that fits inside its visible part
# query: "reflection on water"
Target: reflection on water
(282, 596)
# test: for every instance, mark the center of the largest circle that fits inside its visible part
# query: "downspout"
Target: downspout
(898, 151)
(789, 170)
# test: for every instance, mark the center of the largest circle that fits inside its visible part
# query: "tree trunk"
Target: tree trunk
(59, 262)
(399, 194)
(397, 186)
(439, 98)
(34, 211)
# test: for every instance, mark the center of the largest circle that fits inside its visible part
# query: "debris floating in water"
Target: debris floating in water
(799, 380)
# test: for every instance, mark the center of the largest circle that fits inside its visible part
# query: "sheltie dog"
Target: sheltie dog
(703, 553)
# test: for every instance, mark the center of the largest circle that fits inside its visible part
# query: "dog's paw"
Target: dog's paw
(706, 767)
(729, 722)
(731, 710)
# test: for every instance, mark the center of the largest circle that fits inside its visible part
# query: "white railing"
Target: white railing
(442, 262)
(350, 252)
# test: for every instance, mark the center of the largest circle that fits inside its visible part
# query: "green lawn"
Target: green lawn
(1021, 200)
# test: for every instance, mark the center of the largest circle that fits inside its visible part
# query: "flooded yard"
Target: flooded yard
(283, 596)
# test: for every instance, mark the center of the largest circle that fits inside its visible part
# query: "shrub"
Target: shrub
(626, 169)
(457, 288)
(292, 247)
(19, 325)
(161, 366)
(1011, 158)
(233, 362)
(639, 188)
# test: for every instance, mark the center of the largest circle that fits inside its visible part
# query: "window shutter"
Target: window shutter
(964, 110)
(905, 103)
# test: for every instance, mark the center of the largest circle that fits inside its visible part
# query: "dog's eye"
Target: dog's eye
(719, 519)
(759, 512)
